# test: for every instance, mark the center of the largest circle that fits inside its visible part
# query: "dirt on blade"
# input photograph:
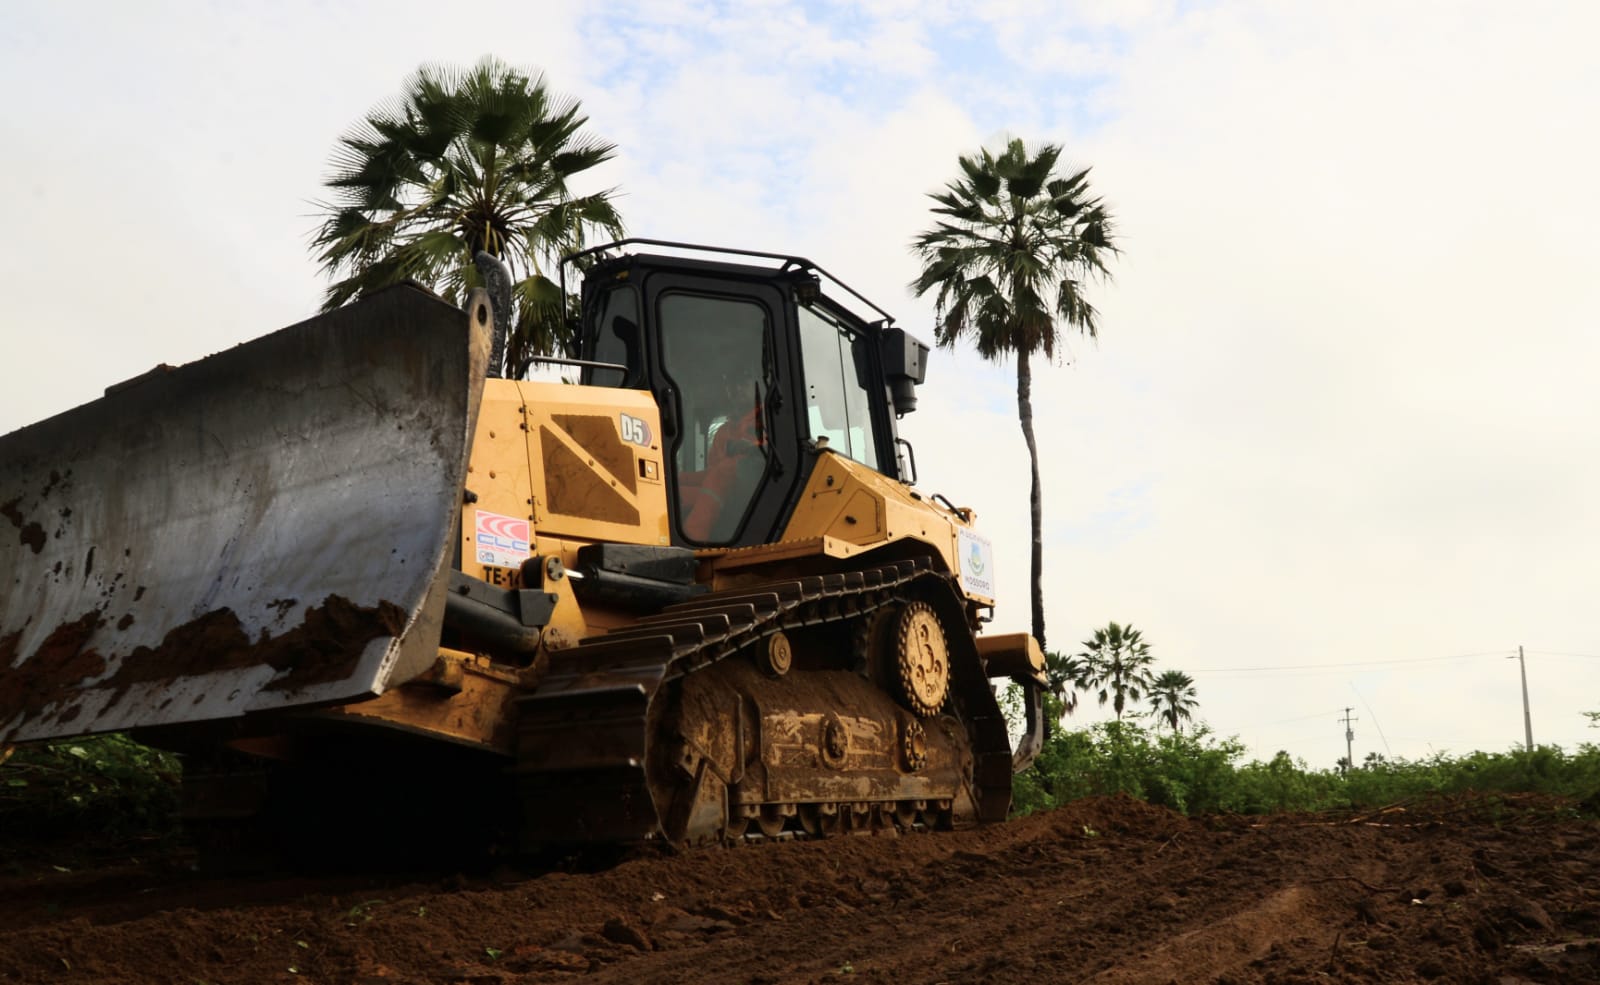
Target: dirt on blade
(1468, 889)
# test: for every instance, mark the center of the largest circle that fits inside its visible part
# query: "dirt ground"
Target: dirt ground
(1105, 890)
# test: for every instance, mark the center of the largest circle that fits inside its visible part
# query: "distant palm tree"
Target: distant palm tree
(1172, 697)
(1066, 676)
(1008, 260)
(463, 162)
(1118, 661)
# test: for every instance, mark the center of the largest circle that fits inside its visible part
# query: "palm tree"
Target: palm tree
(1172, 697)
(1066, 676)
(1118, 661)
(463, 162)
(1008, 260)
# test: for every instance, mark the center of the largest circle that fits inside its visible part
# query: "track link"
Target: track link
(584, 735)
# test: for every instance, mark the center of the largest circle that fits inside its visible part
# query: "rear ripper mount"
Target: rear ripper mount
(816, 744)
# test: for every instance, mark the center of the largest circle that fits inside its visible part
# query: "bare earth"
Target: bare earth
(1469, 889)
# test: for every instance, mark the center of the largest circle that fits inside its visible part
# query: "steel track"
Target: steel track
(584, 735)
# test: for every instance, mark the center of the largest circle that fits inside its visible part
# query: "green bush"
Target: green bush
(1196, 772)
(106, 784)
(1283, 784)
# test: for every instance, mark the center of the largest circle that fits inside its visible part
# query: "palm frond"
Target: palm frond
(461, 160)
(1033, 235)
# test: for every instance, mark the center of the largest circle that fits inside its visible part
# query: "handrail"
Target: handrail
(800, 263)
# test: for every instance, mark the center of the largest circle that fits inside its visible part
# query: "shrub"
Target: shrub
(106, 784)
(1196, 772)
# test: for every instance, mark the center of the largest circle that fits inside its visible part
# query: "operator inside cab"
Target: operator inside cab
(714, 349)
(733, 463)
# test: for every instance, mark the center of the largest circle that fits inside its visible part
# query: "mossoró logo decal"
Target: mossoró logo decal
(977, 560)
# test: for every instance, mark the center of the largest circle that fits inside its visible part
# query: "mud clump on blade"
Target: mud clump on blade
(325, 647)
(328, 644)
(32, 534)
(61, 664)
(215, 641)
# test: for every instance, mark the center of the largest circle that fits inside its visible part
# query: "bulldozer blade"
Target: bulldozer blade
(258, 530)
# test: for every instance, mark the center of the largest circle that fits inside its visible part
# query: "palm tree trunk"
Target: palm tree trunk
(1035, 508)
(496, 280)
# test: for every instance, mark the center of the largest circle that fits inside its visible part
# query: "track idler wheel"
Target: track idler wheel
(922, 659)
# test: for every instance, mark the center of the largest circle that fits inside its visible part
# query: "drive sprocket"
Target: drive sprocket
(922, 659)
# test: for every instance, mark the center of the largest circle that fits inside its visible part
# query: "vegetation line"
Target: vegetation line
(1197, 772)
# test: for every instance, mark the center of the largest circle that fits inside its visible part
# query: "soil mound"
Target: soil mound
(1109, 890)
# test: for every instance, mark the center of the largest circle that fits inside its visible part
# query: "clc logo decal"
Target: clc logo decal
(635, 431)
(975, 560)
(503, 533)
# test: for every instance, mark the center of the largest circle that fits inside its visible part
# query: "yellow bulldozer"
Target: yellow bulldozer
(692, 597)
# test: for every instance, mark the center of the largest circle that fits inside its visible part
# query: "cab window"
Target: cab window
(614, 330)
(838, 395)
(716, 353)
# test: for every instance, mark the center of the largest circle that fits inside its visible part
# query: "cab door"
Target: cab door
(725, 379)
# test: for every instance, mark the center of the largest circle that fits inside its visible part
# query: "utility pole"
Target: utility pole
(1527, 716)
(1349, 740)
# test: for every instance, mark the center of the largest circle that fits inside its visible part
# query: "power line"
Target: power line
(1355, 663)
(1289, 721)
(1552, 653)
(1373, 715)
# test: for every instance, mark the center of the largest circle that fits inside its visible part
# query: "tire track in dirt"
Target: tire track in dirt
(1075, 918)
(1225, 946)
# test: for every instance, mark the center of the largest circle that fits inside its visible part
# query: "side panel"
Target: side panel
(598, 470)
(253, 531)
(556, 467)
(553, 460)
(846, 501)
(497, 515)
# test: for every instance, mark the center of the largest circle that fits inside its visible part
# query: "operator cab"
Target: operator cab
(755, 371)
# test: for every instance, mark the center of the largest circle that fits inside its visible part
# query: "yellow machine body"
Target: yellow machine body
(341, 557)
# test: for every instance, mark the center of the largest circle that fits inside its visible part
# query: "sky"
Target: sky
(1337, 446)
